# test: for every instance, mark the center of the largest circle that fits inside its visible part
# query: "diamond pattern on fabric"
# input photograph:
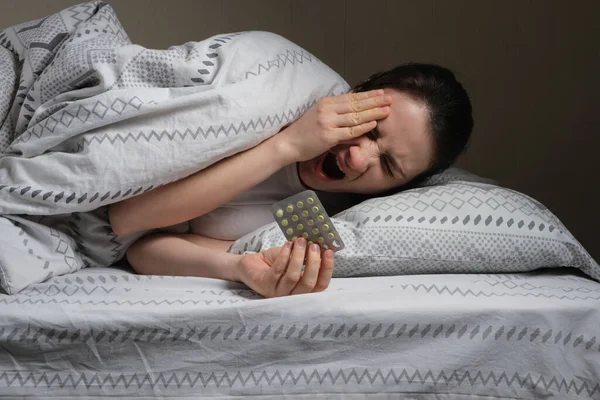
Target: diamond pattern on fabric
(210, 326)
(291, 56)
(92, 113)
(91, 119)
(456, 227)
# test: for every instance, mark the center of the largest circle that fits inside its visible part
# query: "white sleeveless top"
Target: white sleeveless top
(249, 210)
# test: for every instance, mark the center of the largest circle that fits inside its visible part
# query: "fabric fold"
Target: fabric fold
(95, 119)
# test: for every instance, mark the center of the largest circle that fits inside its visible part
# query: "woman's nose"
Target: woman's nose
(358, 159)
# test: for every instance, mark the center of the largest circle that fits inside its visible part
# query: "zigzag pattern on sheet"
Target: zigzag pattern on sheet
(425, 378)
(36, 24)
(49, 45)
(452, 291)
(69, 288)
(65, 117)
(113, 25)
(469, 292)
(117, 246)
(114, 240)
(72, 290)
(127, 303)
(73, 223)
(528, 286)
(99, 109)
(70, 285)
(273, 332)
(527, 276)
(291, 56)
(87, 10)
(244, 126)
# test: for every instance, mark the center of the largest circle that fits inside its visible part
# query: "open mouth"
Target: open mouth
(331, 168)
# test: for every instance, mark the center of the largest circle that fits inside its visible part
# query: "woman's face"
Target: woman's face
(396, 151)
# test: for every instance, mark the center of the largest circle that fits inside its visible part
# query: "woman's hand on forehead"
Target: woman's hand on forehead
(333, 120)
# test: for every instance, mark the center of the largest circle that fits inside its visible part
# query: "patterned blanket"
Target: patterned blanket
(89, 119)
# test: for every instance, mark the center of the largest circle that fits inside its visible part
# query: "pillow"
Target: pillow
(453, 174)
(459, 225)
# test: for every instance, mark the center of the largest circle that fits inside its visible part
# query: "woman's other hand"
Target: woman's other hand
(333, 120)
(278, 271)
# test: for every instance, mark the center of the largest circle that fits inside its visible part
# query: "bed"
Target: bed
(453, 289)
(107, 332)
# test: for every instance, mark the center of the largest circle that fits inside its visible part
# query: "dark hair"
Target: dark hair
(450, 112)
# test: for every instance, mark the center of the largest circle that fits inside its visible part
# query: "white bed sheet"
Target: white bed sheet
(105, 331)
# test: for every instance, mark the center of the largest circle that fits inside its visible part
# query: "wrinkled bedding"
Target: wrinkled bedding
(93, 119)
(90, 119)
(107, 332)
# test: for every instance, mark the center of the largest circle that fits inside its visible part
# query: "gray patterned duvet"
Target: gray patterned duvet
(90, 119)
(102, 332)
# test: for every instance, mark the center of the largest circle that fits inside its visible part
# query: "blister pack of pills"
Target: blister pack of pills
(303, 215)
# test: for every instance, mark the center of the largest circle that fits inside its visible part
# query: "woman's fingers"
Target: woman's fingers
(292, 274)
(325, 272)
(279, 265)
(361, 117)
(357, 110)
(286, 272)
(353, 104)
(352, 132)
(311, 271)
(352, 96)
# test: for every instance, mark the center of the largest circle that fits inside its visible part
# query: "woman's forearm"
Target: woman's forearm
(179, 255)
(199, 193)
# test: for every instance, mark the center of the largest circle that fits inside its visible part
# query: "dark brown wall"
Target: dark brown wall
(531, 67)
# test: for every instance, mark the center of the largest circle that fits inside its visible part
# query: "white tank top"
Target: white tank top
(251, 209)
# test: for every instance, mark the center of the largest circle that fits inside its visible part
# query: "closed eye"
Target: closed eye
(386, 166)
(385, 163)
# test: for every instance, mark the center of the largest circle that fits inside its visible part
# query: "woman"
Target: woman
(398, 126)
